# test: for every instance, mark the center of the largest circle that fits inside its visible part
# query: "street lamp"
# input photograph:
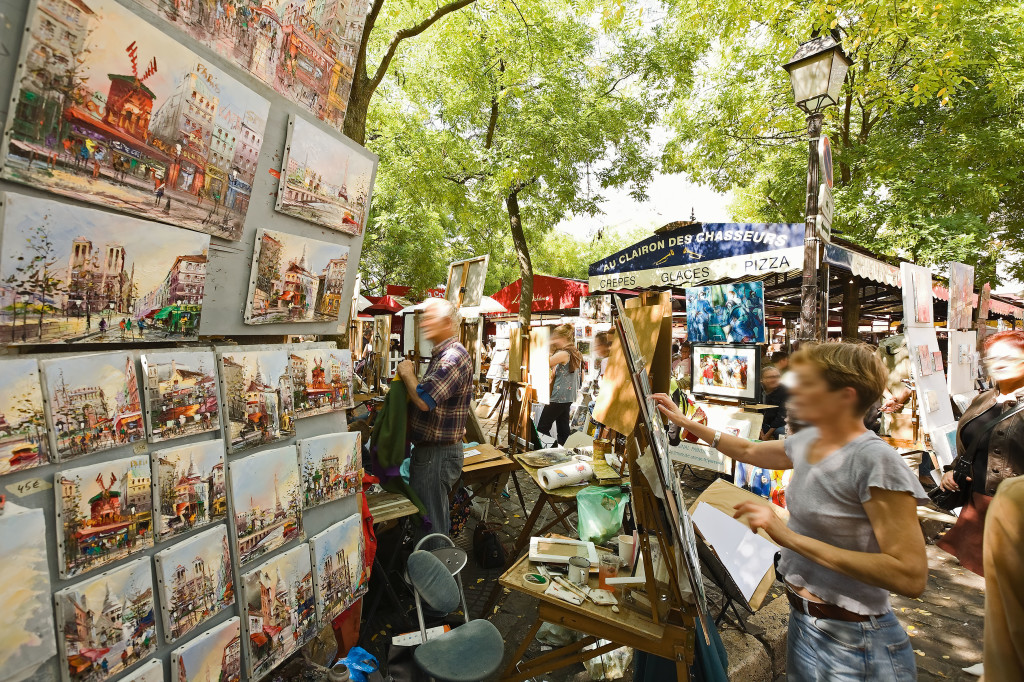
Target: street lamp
(817, 72)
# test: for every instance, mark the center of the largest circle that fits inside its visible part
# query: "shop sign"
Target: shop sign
(826, 206)
(825, 169)
(863, 266)
(700, 456)
(121, 147)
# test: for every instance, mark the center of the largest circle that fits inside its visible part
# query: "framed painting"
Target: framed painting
(597, 308)
(725, 313)
(322, 380)
(332, 467)
(180, 394)
(726, 371)
(214, 656)
(258, 397)
(189, 487)
(70, 274)
(917, 295)
(295, 279)
(195, 581)
(150, 671)
(326, 179)
(266, 500)
(339, 566)
(136, 121)
(961, 296)
(23, 440)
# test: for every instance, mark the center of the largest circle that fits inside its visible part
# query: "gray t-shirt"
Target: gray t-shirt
(566, 384)
(826, 502)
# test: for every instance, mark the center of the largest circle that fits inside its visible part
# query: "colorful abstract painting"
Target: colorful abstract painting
(23, 440)
(322, 379)
(214, 656)
(190, 487)
(195, 581)
(106, 513)
(258, 393)
(70, 274)
(725, 313)
(331, 467)
(340, 567)
(295, 279)
(180, 394)
(107, 622)
(112, 111)
(266, 499)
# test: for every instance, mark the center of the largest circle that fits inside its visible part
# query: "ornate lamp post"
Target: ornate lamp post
(817, 72)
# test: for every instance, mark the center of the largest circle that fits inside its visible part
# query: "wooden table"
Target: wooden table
(389, 507)
(487, 473)
(626, 628)
(386, 507)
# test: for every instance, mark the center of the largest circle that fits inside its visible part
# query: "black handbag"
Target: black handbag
(962, 470)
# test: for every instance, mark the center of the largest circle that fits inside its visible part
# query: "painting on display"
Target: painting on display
(961, 296)
(326, 178)
(597, 308)
(725, 313)
(93, 403)
(139, 123)
(106, 513)
(26, 632)
(71, 274)
(726, 372)
(151, 671)
(23, 440)
(107, 622)
(917, 295)
(259, 397)
(322, 380)
(924, 358)
(189, 487)
(295, 279)
(195, 581)
(280, 608)
(180, 392)
(265, 496)
(963, 361)
(331, 467)
(214, 656)
(341, 575)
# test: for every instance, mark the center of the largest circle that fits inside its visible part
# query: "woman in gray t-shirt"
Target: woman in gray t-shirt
(853, 535)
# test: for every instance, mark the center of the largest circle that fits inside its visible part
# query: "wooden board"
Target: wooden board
(389, 506)
(540, 369)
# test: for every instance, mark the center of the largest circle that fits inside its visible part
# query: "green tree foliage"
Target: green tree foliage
(928, 138)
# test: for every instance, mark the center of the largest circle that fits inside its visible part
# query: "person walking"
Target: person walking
(774, 424)
(853, 535)
(565, 362)
(437, 412)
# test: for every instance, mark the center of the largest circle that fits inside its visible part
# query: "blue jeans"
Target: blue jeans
(432, 473)
(823, 650)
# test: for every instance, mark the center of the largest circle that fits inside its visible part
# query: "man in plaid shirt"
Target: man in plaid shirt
(438, 410)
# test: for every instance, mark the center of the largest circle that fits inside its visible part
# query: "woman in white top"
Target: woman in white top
(853, 535)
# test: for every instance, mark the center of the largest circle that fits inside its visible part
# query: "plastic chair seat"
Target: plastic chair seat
(453, 558)
(469, 653)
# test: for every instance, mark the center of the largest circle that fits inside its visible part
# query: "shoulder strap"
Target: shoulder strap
(972, 451)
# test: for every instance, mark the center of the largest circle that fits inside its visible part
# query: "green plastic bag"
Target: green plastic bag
(600, 511)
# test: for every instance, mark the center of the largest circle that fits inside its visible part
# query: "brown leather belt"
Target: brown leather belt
(823, 610)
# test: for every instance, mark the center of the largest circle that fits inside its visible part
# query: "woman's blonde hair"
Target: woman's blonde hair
(566, 331)
(847, 365)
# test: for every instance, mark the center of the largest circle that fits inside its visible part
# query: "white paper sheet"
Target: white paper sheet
(747, 556)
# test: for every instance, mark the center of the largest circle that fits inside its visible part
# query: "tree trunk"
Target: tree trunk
(523, 255)
(358, 104)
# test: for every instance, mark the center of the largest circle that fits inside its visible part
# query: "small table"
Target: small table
(385, 507)
(488, 470)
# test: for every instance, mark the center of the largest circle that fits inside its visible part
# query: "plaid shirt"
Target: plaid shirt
(449, 383)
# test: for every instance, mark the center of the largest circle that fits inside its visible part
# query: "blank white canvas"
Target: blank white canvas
(747, 556)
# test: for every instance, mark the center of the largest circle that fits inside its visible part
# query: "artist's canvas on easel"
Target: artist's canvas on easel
(466, 280)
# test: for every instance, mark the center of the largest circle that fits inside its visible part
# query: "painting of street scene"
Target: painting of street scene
(190, 487)
(725, 313)
(322, 380)
(280, 609)
(107, 623)
(23, 441)
(265, 496)
(106, 512)
(73, 274)
(112, 111)
(180, 394)
(26, 631)
(259, 395)
(214, 656)
(94, 403)
(195, 581)
(731, 372)
(295, 280)
(332, 467)
(325, 179)
(306, 51)
(341, 575)
(151, 671)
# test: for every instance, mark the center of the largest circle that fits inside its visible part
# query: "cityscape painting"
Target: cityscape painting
(305, 51)
(195, 581)
(107, 623)
(150, 671)
(325, 179)
(331, 467)
(73, 274)
(322, 380)
(341, 575)
(259, 397)
(93, 403)
(214, 656)
(265, 490)
(190, 487)
(280, 608)
(23, 441)
(106, 513)
(180, 394)
(26, 631)
(295, 279)
(112, 111)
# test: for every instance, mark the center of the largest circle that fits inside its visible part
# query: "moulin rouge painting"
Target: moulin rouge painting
(23, 441)
(73, 274)
(259, 395)
(195, 581)
(321, 379)
(112, 111)
(180, 394)
(265, 495)
(190, 487)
